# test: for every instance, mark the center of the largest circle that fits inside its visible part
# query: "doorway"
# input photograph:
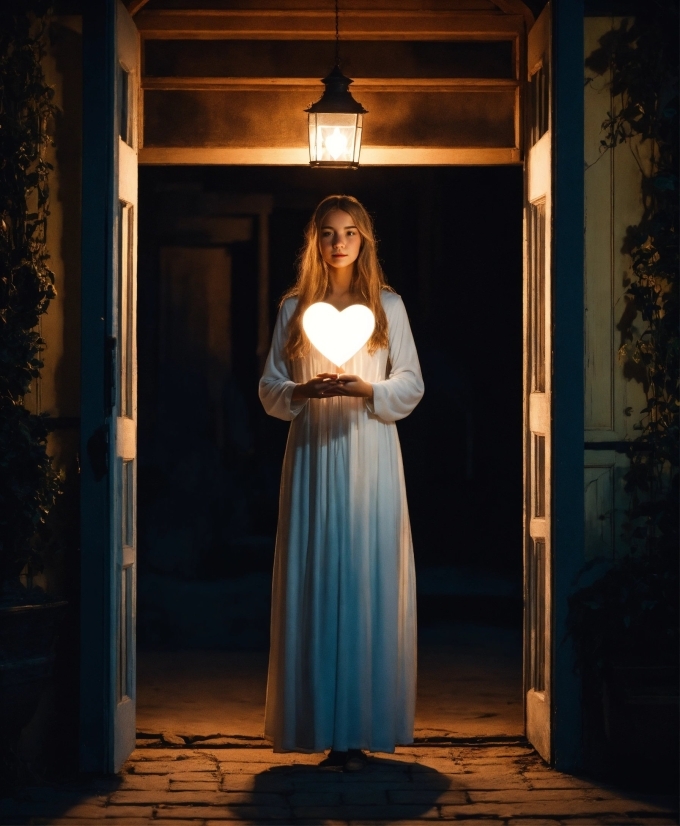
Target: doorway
(217, 248)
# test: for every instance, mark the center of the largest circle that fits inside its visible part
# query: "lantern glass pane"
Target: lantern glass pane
(334, 138)
(312, 138)
(357, 138)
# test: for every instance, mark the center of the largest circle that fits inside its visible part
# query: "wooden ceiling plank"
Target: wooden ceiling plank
(210, 24)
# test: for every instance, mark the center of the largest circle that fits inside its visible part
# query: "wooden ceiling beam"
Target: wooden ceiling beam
(281, 84)
(133, 6)
(211, 24)
(299, 155)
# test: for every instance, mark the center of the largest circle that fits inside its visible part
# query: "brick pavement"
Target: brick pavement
(472, 784)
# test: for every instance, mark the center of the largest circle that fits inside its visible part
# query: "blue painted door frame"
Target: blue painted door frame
(96, 732)
(568, 355)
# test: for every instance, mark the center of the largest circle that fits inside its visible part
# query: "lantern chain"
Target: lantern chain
(337, 36)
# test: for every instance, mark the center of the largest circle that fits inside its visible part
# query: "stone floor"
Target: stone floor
(469, 784)
(469, 685)
(201, 759)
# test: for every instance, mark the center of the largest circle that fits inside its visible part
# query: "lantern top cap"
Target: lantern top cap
(337, 97)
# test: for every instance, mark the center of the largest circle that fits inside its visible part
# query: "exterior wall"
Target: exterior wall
(613, 396)
(50, 739)
(57, 391)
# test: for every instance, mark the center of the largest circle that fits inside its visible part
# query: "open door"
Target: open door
(537, 387)
(553, 377)
(109, 386)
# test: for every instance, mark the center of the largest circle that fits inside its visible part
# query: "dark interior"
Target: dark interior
(209, 457)
(450, 241)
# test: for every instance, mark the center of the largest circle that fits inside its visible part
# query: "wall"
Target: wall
(613, 394)
(50, 739)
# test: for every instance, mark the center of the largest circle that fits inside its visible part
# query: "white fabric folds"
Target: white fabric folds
(342, 663)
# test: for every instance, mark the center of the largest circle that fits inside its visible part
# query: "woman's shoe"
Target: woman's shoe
(356, 761)
(334, 759)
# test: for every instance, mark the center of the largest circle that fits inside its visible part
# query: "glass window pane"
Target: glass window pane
(124, 92)
(539, 102)
(537, 256)
(537, 571)
(538, 475)
(125, 305)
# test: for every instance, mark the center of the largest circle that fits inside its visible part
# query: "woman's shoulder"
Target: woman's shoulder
(288, 305)
(390, 300)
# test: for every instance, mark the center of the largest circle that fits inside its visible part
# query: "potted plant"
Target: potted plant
(625, 626)
(28, 484)
(624, 621)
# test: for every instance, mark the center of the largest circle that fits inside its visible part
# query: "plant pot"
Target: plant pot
(27, 635)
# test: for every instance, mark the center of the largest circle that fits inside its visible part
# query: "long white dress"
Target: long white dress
(342, 663)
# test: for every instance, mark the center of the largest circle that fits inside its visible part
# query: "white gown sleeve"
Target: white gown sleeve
(276, 386)
(397, 395)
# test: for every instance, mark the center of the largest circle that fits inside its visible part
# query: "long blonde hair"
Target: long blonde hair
(313, 281)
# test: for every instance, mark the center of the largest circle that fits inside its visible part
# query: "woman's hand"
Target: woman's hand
(322, 386)
(350, 385)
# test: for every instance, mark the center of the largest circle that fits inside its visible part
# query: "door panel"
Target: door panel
(537, 391)
(124, 416)
(108, 534)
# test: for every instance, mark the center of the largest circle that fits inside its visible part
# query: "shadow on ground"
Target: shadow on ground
(83, 799)
(403, 789)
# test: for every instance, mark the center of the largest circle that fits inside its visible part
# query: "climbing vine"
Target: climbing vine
(28, 483)
(642, 55)
(637, 599)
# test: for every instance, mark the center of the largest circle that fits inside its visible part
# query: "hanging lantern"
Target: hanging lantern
(335, 124)
(335, 120)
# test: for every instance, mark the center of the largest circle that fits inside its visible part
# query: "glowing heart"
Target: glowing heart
(338, 335)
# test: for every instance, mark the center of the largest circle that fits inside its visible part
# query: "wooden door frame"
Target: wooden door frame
(567, 403)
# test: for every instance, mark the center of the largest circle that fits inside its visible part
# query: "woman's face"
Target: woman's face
(339, 239)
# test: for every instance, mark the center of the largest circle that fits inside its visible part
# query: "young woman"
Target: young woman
(342, 665)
